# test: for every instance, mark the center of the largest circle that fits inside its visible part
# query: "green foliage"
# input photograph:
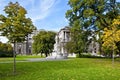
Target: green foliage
(111, 36)
(93, 16)
(87, 55)
(15, 26)
(6, 50)
(74, 69)
(44, 42)
(79, 39)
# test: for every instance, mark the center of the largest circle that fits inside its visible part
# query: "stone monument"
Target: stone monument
(62, 37)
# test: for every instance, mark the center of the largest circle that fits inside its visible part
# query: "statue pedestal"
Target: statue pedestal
(58, 56)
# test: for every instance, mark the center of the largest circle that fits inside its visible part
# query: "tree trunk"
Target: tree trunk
(14, 63)
(79, 54)
(113, 52)
(41, 54)
(46, 54)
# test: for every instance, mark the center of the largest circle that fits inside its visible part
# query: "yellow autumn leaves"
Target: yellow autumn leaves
(112, 34)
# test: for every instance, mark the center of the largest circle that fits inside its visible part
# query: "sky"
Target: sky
(45, 14)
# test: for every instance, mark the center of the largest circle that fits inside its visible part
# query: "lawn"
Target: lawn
(73, 69)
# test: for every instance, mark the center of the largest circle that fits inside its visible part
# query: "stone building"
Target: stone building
(93, 48)
(25, 48)
(62, 37)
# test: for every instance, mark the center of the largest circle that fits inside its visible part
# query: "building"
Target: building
(93, 48)
(25, 48)
(62, 37)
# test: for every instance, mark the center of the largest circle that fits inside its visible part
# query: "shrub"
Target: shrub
(6, 50)
(87, 55)
(6, 54)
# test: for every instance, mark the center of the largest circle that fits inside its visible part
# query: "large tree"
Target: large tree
(79, 39)
(14, 25)
(44, 42)
(94, 15)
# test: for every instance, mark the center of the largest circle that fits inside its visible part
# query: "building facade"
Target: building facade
(59, 51)
(93, 48)
(25, 48)
(62, 37)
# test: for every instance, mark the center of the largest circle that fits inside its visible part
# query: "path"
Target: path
(35, 60)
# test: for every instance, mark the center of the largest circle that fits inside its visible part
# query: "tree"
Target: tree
(44, 42)
(112, 36)
(79, 39)
(94, 15)
(15, 26)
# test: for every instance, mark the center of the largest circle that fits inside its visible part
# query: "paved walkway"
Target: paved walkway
(45, 59)
(36, 60)
(12, 61)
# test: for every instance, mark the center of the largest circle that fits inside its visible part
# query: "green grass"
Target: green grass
(28, 56)
(74, 69)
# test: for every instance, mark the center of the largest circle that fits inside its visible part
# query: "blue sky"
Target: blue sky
(45, 14)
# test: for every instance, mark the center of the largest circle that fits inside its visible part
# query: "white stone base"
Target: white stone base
(57, 57)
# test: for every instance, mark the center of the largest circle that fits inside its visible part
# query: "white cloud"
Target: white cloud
(41, 9)
(46, 5)
(3, 39)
